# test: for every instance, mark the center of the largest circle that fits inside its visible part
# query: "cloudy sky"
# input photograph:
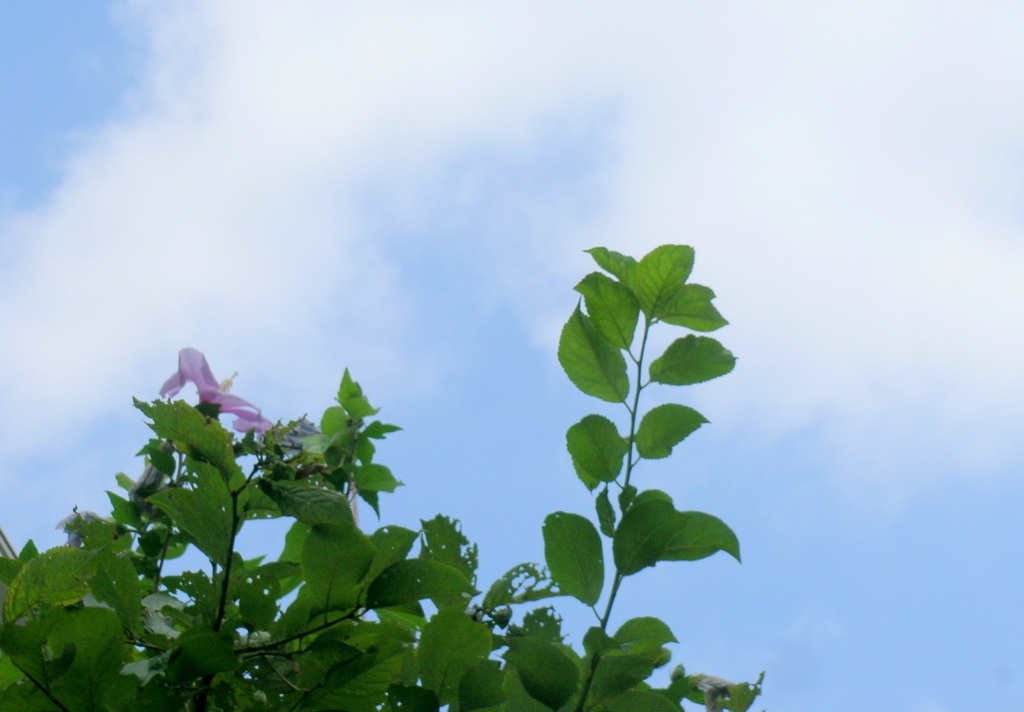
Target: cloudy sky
(406, 189)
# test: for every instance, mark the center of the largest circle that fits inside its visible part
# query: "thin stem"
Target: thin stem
(639, 360)
(283, 641)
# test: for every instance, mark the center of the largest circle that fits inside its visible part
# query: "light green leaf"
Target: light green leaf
(415, 579)
(691, 307)
(615, 263)
(375, 478)
(444, 542)
(194, 434)
(597, 450)
(391, 544)
(546, 673)
(659, 277)
(56, 577)
(700, 536)
(611, 307)
(451, 644)
(116, 583)
(572, 549)
(643, 634)
(692, 359)
(665, 426)
(335, 559)
(202, 513)
(595, 366)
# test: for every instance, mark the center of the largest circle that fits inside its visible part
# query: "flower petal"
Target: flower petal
(192, 367)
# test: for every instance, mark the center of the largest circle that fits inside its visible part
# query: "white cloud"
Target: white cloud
(850, 179)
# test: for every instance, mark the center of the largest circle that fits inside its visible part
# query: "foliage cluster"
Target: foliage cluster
(388, 620)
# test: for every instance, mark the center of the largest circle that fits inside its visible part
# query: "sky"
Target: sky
(406, 190)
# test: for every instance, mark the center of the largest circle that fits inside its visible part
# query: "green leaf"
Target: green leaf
(546, 673)
(375, 478)
(597, 450)
(334, 420)
(194, 434)
(652, 531)
(665, 426)
(692, 359)
(541, 624)
(95, 637)
(615, 263)
(605, 514)
(691, 307)
(520, 584)
(125, 512)
(611, 307)
(56, 577)
(659, 277)
(481, 686)
(443, 541)
(617, 673)
(203, 513)
(640, 701)
(701, 535)
(572, 549)
(403, 698)
(451, 644)
(643, 634)
(116, 583)
(308, 503)
(9, 568)
(202, 651)
(335, 559)
(595, 366)
(415, 579)
(391, 544)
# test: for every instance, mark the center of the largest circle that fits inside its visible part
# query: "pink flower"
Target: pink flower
(192, 367)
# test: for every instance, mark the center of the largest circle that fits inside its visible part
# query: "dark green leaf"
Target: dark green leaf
(521, 584)
(572, 549)
(451, 644)
(611, 307)
(640, 701)
(443, 541)
(597, 450)
(202, 651)
(596, 642)
(595, 367)
(378, 430)
(415, 579)
(692, 359)
(194, 434)
(615, 263)
(665, 426)
(691, 307)
(308, 503)
(605, 514)
(540, 623)
(335, 559)
(546, 673)
(659, 277)
(652, 531)
(412, 699)
(125, 512)
(203, 513)
(481, 686)
(626, 497)
(616, 674)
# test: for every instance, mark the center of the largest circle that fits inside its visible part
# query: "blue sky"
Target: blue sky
(406, 190)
